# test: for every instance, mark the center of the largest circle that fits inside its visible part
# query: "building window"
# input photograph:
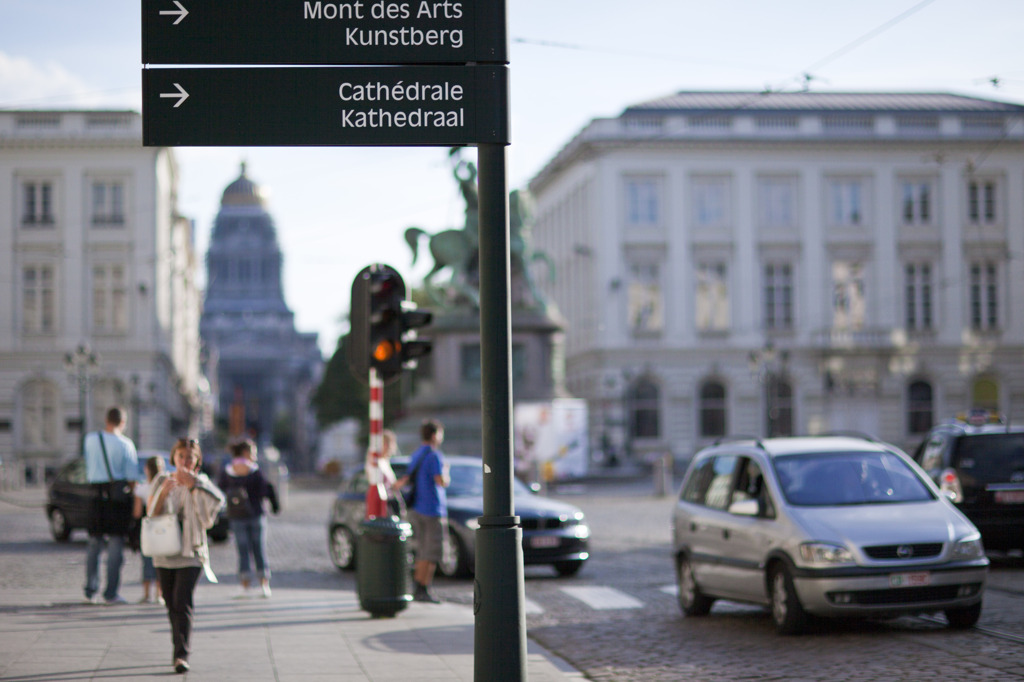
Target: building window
(39, 416)
(778, 296)
(38, 301)
(469, 363)
(107, 203)
(37, 203)
(712, 304)
(644, 410)
(918, 296)
(643, 204)
(646, 304)
(711, 202)
(776, 202)
(920, 407)
(981, 202)
(916, 202)
(712, 410)
(849, 306)
(846, 202)
(984, 295)
(985, 395)
(109, 299)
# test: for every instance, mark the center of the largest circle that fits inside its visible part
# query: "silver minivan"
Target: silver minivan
(835, 526)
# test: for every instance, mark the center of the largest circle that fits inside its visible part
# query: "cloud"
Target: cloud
(34, 85)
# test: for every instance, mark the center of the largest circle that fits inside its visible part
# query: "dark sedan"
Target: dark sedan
(70, 496)
(554, 533)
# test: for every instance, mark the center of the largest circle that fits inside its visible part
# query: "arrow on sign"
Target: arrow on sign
(181, 12)
(180, 94)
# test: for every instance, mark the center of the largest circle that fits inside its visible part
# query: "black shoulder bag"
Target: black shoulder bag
(119, 491)
(409, 494)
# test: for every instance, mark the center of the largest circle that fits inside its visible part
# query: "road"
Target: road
(618, 618)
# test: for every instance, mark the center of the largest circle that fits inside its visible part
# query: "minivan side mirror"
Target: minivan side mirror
(745, 508)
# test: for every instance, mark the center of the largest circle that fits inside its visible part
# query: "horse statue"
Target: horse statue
(458, 249)
(454, 248)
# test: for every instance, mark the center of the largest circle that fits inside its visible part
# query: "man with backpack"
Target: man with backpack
(245, 488)
(429, 511)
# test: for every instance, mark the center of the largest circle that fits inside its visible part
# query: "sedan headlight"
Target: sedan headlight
(825, 554)
(968, 548)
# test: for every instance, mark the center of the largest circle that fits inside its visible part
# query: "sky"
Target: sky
(339, 209)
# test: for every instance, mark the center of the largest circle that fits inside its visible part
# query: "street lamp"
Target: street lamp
(768, 366)
(82, 365)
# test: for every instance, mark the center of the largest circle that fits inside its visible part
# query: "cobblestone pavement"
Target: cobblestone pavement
(650, 640)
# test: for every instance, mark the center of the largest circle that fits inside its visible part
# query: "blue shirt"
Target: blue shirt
(124, 462)
(431, 498)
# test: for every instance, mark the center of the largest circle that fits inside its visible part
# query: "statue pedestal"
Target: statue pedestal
(447, 386)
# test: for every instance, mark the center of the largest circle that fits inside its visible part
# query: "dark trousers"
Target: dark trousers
(178, 586)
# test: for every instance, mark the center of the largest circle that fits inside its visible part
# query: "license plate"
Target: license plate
(910, 579)
(1010, 496)
(544, 541)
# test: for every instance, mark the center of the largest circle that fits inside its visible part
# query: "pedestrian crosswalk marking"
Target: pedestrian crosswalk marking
(603, 598)
(531, 607)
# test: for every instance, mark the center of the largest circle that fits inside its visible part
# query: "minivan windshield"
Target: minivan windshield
(846, 478)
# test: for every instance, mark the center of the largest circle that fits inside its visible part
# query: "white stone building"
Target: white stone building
(98, 296)
(750, 263)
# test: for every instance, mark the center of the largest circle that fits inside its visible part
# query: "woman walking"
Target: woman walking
(195, 500)
(246, 488)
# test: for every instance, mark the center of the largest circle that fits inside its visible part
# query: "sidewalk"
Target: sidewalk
(298, 634)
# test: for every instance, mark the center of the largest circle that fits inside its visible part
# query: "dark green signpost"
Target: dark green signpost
(364, 105)
(450, 56)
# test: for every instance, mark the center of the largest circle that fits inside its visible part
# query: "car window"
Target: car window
(711, 483)
(991, 457)
(750, 486)
(828, 479)
(931, 458)
(75, 472)
(358, 484)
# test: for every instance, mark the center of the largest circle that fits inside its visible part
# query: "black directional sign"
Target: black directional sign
(263, 32)
(309, 106)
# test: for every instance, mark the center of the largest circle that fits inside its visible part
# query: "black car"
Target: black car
(980, 466)
(70, 496)
(554, 533)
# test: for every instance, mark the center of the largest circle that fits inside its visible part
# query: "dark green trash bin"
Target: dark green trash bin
(382, 565)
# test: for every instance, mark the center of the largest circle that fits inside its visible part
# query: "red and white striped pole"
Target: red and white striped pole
(376, 494)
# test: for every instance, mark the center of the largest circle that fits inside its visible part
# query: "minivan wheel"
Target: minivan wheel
(787, 612)
(691, 600)
(59, 527)
(963, 618)
(454, 561)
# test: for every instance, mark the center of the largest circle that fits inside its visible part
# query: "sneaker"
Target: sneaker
(180, 666)
(242, 593)
(265, 590)
(160, 601)
(94, 599)
(425, 595)
(115, 601)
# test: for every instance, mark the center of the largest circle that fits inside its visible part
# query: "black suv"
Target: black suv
(981, 467)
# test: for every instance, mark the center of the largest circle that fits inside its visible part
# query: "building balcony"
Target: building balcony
(856, 339)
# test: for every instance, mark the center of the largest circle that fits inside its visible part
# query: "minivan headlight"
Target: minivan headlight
(825, 554)
(968, 548)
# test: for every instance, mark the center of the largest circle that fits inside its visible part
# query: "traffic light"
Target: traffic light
(412, 348)
(383, 325)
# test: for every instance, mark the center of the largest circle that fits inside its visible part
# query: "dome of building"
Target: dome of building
(242, 192)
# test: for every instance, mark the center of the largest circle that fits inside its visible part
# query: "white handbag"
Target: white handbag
(161, 535)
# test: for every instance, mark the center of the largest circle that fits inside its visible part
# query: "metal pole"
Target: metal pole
(500, 632)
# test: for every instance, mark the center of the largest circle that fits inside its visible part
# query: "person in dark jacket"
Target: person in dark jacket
(246, 488)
